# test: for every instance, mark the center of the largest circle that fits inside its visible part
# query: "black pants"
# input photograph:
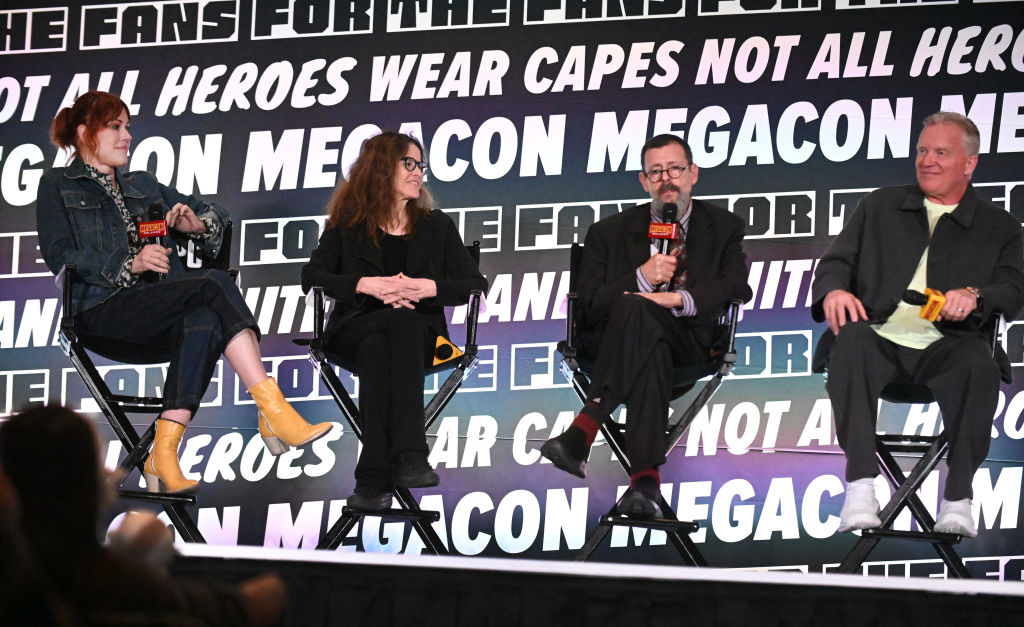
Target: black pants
(959, 371)
(388, 349)
(640, 346)
(187, 320)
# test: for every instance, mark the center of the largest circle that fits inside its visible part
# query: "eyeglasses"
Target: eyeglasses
(411, 164)
(673, 172)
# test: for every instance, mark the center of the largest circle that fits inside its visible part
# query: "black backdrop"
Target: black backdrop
(533, 114)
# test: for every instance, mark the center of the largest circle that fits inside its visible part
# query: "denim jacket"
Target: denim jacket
(79, 223)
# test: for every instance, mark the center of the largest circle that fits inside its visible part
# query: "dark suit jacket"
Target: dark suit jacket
(436, 252)
(617, 245)
(877, 252)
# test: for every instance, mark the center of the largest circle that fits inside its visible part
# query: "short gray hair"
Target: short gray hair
(971, 136)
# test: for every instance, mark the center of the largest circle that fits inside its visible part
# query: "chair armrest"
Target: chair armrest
(734, 318)
(67, 312)
(472, 317)
(318, 312)
(996, 331)
(571, 311)
(571, 299)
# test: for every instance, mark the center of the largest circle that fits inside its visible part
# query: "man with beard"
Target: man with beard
(645, 313)
(934, 234)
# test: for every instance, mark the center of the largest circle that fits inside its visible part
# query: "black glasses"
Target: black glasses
(654, 176)
(411, 164)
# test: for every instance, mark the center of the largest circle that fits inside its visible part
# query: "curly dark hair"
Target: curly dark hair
(366, 197)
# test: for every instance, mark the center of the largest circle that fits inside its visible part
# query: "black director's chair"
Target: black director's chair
(461, 365)
(577, 370)
(929, 449)
(115, 407)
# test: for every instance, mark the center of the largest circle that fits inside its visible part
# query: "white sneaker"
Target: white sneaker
(955, 517)
(860, 508)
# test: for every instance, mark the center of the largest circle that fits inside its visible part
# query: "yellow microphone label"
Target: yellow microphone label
(936, 300)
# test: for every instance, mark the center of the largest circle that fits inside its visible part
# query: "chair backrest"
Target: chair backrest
(728, 321)
(575, 259)
(316, 299)
(193, 258)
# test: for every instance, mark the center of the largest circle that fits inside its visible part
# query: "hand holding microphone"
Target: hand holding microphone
(661, 267)
(954, 305)
(153, 257)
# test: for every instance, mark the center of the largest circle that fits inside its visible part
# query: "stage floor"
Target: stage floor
(351, 588)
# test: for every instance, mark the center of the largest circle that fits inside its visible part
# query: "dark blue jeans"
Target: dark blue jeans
(186, 320)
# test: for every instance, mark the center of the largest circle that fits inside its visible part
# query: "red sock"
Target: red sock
(652, 472)
(589, 420)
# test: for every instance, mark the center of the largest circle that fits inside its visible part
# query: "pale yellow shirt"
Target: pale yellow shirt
(905, 326)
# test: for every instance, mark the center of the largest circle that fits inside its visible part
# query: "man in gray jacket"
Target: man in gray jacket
(936, 234)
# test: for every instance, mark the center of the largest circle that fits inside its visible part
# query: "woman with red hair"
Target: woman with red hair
(391, 264)
(133, 301)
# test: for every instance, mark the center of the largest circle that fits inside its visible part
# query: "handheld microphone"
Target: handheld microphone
(931, 302)
(155, 227)
(666, 230)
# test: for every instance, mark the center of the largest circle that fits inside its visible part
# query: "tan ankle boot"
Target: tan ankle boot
(280, 425)
(162, 464)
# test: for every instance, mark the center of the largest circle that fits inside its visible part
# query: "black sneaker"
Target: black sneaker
(568, 451)
(368, 499)
(412, 470)
(641, 500)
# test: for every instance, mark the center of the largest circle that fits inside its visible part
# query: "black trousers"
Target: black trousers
(389, 349)
(186, 319)
(640, 346)
(959, 371)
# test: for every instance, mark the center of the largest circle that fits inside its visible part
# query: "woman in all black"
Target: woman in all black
(391, 264)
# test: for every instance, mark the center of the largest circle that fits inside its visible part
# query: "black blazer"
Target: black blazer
(617, 245)
(436, 251)
(877, 252)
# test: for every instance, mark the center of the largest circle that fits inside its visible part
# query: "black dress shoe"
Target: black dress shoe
(368, 499)
(640, 500)
(412, 470)
(568, 451)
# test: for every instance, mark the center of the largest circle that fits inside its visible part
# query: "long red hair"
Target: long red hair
(93, 109)
(366, 197)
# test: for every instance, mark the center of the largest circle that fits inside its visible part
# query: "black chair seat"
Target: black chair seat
(683, 377)
(906, 393)
(121, 351)
(347, 364)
